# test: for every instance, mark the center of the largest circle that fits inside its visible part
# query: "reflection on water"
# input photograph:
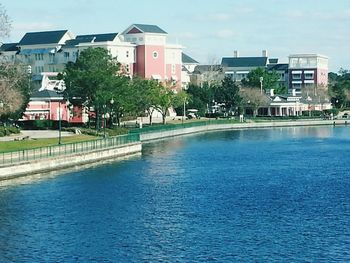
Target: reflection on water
(262, 195)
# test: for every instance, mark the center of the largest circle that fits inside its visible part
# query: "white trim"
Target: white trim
(156, 77)
(309, 72)
(296, 72)
(297, 82)
(309, 81)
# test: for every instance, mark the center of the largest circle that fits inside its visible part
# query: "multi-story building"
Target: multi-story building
(188, 67)
(140, 49)
(308, 72)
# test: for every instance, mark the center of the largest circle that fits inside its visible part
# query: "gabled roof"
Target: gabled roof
(239, 62)
(9, 47)
(206, 68)
(98, 37)
(44, 37)
(91, 38)
(46, 95)
(188, 60)
(147, 29)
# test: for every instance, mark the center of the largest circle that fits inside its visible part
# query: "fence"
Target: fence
(169, 127)
(7, 158)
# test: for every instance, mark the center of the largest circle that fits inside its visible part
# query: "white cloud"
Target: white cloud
(225, 33)
(219, 17)
(34, 26)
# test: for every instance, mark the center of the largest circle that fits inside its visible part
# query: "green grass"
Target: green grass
(10, 146)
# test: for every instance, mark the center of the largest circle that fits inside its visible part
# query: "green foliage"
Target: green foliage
(228, 93)
(270, 79)
(201, 97)
(6, 131)
(339, 88)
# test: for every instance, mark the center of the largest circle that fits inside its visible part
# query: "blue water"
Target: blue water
(274, 195)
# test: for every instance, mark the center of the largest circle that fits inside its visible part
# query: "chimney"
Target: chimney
(294, 93)
(272, 92)
(236, 54)
(264, 53)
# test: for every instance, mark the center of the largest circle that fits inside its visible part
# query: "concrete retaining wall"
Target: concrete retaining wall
(253, 125)
(50, 164)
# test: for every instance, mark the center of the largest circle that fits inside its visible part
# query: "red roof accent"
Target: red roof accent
(134, 30)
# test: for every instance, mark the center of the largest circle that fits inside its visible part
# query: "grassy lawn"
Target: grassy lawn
(35, 143)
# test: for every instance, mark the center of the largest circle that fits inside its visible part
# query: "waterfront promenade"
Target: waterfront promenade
(21, 163)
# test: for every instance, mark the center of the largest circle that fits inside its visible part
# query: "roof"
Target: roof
(278, 67)
(46, 94)
(44, 37)
(273, 60)
(206, 68)
(150, 28)
(91, 38)
(9, 47)
(233, 62)
(188, 60)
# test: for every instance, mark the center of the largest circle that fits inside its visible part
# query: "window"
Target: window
(296, 75)
(39, 56)
(66, 55)
(127, 53)
(155, 54)
(296, 86)
(52, 57)
(127, 68)
(309, 75)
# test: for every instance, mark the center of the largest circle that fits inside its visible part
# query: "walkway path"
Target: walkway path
(35, 134)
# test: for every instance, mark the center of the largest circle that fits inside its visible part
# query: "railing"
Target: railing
(169, 127)
(8, 158)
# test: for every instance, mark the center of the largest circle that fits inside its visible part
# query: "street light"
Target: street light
(104, 121)
(184, 113)
(261, 84)
(59, 122)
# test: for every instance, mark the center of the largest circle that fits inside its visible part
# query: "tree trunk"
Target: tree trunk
(164, 117)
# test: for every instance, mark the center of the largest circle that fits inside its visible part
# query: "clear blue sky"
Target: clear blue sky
(208, 29)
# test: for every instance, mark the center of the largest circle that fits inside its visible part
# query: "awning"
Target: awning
(37, 51)
(157, 77)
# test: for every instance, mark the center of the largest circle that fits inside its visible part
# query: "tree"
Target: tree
(164, 100)
(94, 77)
(201, 97)
(253, 99)
(228, 93)
(5, 22)
(14, 89)
(269, 79)
(339, 88)
(144, 96)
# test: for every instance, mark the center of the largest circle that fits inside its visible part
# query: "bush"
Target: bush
(6, 131)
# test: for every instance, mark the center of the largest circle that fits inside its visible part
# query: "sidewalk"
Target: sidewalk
(35, 134)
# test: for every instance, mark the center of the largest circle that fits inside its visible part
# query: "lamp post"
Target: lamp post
(111, 115)
(261, 84)
(104, 121)
(184, 113)
(59, 122)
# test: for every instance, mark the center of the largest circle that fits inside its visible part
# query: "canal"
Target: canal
(238, 196)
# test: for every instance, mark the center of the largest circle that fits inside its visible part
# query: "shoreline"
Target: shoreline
(56, 164)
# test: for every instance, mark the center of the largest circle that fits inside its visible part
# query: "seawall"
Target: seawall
(145, 137)
(74, 159)
(66, 161)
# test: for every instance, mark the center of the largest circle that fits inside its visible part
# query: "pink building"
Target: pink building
(307, 71)
(46, 105)
(154, 57)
